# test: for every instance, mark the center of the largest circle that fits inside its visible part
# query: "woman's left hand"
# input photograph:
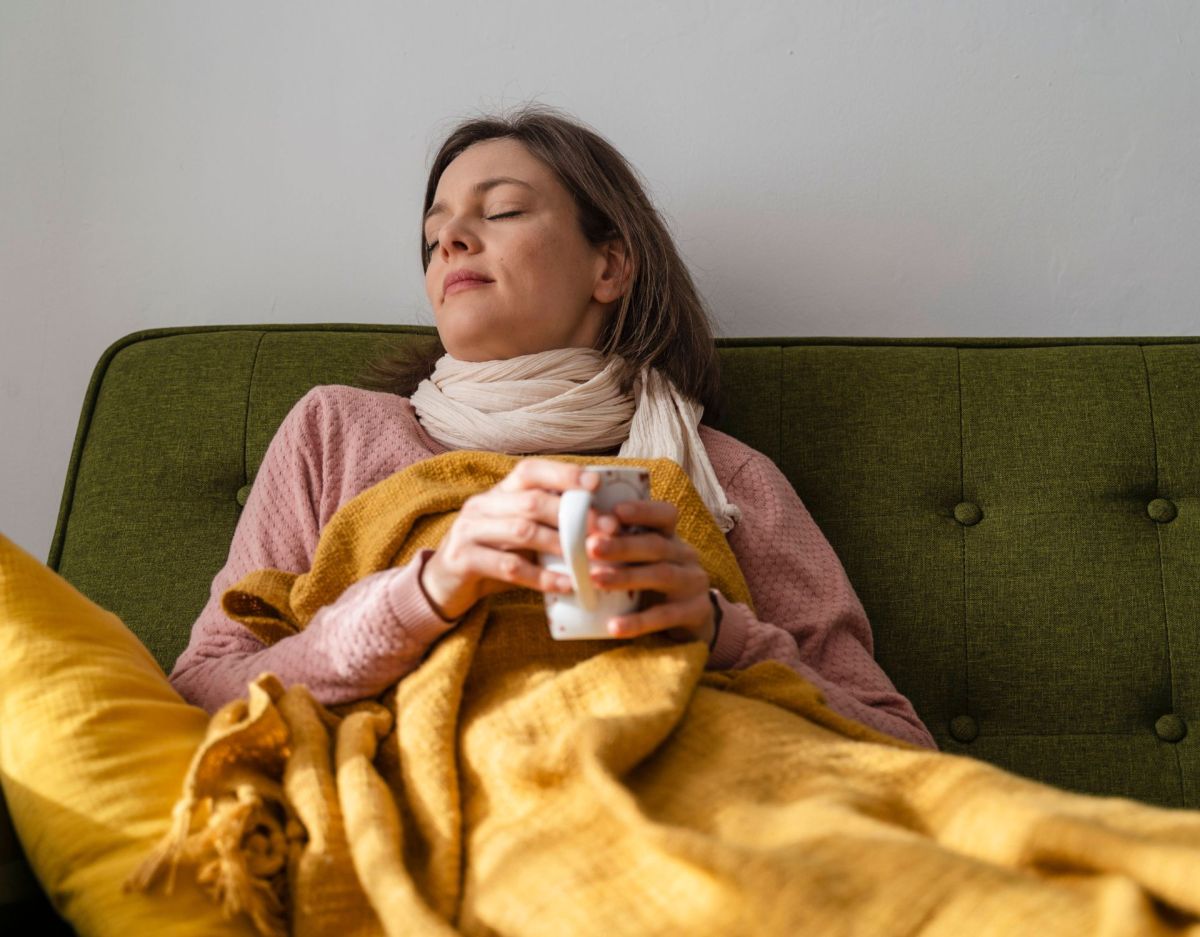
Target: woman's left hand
(665, 565)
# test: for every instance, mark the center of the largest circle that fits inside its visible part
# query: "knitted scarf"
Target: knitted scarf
(568, 400)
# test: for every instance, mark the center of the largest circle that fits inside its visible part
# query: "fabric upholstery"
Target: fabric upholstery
(1061, 625)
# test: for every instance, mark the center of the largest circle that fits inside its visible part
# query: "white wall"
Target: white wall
(927, 168)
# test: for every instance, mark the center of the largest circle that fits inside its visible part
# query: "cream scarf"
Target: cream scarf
(568, 400)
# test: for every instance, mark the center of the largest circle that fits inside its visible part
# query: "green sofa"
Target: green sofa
(1020, 517)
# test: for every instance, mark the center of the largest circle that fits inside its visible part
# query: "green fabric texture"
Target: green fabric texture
(1018, 516)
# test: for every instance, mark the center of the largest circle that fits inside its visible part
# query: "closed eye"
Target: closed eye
(507, 214)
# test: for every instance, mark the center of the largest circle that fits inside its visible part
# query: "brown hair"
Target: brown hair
(659, 322)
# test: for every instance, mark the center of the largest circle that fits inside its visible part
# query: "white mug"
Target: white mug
(584, 613)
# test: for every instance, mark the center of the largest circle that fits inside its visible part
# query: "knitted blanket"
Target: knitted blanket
(513, 784)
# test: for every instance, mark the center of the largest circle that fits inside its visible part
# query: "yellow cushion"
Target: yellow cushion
(94, 746)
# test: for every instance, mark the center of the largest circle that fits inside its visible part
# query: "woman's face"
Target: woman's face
(546, 286)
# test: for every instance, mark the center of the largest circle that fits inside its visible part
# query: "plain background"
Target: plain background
(828, 167)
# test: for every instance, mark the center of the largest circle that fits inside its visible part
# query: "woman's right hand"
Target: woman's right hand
(493, 544)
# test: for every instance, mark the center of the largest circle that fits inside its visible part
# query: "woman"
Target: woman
(552, 280)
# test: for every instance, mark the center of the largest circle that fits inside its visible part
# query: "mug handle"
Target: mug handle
(572, 537)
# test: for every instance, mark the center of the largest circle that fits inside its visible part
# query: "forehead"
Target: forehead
(505, 157)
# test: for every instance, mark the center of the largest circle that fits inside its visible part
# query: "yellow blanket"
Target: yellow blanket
(516, 785)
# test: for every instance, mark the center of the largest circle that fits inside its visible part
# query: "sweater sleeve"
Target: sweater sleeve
(374, 633)
(808, 615)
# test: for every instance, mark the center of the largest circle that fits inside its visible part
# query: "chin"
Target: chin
(475, 351)
(479, 342)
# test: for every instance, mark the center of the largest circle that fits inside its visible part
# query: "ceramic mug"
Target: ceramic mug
(584, 613)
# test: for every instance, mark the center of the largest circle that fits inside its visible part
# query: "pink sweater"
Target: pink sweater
(338, 441)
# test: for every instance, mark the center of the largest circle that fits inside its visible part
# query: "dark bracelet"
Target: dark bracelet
(432, 604)
(717, 614)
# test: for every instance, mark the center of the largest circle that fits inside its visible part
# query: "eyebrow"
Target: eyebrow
(479, 188)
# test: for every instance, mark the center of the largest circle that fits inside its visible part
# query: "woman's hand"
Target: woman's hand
(492, 545)
(667, 566)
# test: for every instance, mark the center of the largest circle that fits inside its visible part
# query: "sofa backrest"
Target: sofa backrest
(1021, 518)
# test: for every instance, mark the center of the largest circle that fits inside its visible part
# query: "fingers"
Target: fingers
(513, 569)
(692, 614)
(651, 560)
(658, 515)
(492, 544)
(671, 579)
(655, 541)
(521, 514)
(548, 474)
(538, 507)
(639, 548)
(472, 561)
(514, 533)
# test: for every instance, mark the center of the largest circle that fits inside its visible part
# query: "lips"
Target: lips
(459, 280)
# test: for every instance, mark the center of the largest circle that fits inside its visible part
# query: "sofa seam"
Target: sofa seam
(779, 397)
(1162, 576)
(246, 416)
(1137, 733)
(1007, 515)
(962, 494)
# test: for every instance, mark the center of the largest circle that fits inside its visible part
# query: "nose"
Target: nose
(456, 236)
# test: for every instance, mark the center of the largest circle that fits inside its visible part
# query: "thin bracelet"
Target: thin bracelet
(432, 604)
(717, 615)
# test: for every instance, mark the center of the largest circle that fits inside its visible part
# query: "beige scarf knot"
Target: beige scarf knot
(568, 400)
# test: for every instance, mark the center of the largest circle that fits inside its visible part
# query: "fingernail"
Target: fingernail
(608, 524)
(614, 627)
(589, 479)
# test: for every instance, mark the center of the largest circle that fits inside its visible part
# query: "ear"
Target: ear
(616, 274)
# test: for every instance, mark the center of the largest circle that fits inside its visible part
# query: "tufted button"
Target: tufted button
(964, 729)
(1170, 728)
(1162, 510)
(242, 494)
(967, 513)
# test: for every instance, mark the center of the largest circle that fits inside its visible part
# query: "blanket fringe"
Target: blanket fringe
(166, 852)
(242, 852)
(244, 874)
